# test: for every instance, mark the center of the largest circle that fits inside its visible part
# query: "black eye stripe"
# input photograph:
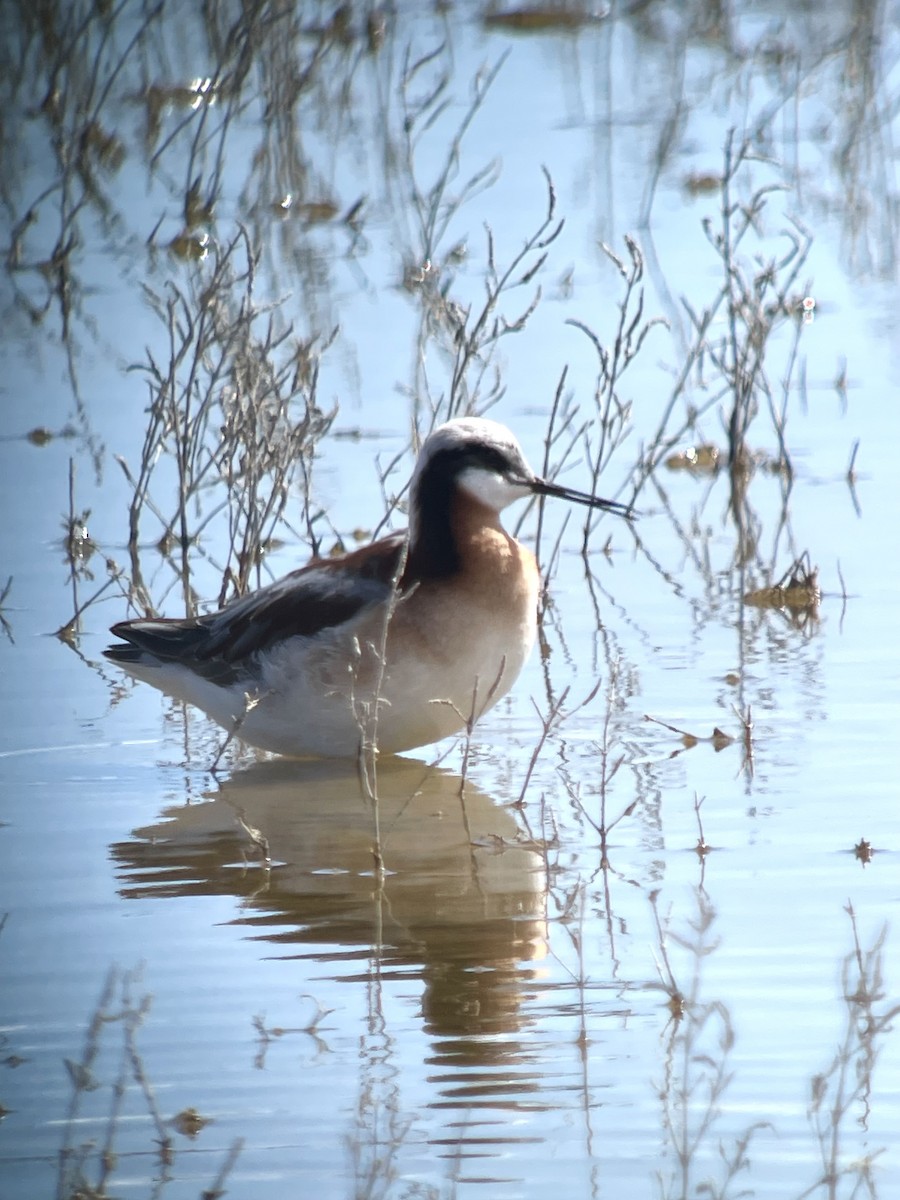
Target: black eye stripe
(453, 460)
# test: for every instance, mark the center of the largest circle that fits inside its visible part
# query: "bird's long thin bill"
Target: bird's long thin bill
(542, 488)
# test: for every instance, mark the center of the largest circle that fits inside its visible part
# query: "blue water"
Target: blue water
(496, 1017)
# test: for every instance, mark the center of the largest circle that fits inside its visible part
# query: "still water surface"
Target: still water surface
(632, 963)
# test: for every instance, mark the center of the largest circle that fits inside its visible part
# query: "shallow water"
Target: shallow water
(636, 961)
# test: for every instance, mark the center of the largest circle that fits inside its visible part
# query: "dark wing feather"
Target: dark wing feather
(221, 646)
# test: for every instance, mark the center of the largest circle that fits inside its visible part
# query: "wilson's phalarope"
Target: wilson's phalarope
(397, 644)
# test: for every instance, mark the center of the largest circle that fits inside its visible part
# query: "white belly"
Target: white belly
(328, 700)
(452, 651)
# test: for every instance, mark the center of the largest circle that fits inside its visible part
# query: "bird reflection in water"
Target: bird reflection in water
(460, 902)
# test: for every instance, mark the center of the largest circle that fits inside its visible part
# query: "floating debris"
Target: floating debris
(189, 1122)
(776, 466)
(703, 460)
(541, 18)
(718, 738)
(701, 183)
(197, 209)
(190, 247)
(416, 275)
(313, 212)
(193, 95)
(101, 146)
(677, 1005)
(78, 543)
(376, 30)
(316, 212)
(864, 851)
(159, 99)
(797, 590)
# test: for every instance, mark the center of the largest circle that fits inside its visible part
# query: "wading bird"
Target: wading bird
(394, 645)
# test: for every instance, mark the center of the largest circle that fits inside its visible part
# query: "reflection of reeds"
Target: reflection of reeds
(72, 63)
(310, 1029)
(9, 1059)
(88, 1168)
(4, 623)
(840, 1096)
(380, 1126)
(697, 1073)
